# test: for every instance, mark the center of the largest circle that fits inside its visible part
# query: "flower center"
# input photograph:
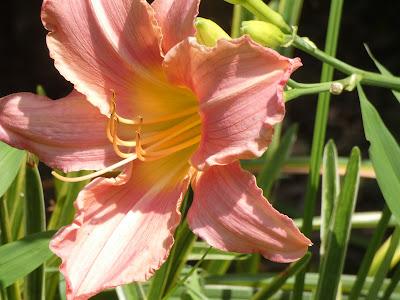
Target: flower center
(155, 138)
(149, 139)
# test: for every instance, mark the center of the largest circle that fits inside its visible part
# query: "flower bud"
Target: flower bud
(208, 32)
(264, 33)
(263, 12)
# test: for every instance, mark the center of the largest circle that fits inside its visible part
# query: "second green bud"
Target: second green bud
(265, 33)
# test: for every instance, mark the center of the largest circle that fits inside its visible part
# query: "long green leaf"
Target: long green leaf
(392, 286)
(278, 281)
(384, 152)
(384, 267)
(369, 255)
(330, 193)
(18, 259)
(15, 198)
(10, 161)
(339, 231)
(35, 222)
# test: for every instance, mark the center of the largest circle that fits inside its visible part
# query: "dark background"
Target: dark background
(24, 63)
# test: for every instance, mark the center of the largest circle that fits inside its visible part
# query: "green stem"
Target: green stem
(35, 222)
(367, 78)
(236, 21)
(301, 89)
(376, 240)
(319, 133)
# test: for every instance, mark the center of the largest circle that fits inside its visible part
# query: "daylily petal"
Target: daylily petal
(230, 213)
(103, 45)
(68, 134)
(239, 85)
(123, 229)
(176, 18)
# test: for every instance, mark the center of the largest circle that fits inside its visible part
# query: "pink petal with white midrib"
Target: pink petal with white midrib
(68, 134)
(99, 46)
(239, 85)
(123, 229)
(230, 213)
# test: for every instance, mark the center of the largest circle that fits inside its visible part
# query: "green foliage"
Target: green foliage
(10, 161)
(18, 259)
(384, 152)
(338, 231)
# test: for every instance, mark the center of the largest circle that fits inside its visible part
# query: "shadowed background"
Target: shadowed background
(24, 63)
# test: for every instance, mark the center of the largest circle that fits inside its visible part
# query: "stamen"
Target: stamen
(173, 131)
(115, 144)
(139, 149)
(95, 174)
(146, 155)
(169, 117)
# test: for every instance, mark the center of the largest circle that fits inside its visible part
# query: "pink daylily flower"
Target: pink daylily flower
(151, 101)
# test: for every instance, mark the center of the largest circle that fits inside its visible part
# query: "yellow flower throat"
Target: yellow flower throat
(179, 131)
(148, 139)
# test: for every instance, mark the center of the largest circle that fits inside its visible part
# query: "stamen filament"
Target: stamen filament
(169, 133)
(95, 174)
(169, 117)
(146, 155)
(173, 131)
(114, 129)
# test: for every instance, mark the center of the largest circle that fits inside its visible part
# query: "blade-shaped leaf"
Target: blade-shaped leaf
(384, 267)
(35, 222)
(19, 258)
(384, 152)
(10, 160)
(339, 231)
(375, 241)
(330, 192)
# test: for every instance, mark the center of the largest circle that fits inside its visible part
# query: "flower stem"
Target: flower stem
(367, 78)
(334, 87)
(236, 21)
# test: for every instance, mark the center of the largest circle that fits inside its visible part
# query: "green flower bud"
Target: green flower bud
(263, 12)
(264, 33)
(208, 32)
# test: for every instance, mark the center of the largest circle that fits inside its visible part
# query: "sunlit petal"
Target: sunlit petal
(67, 134)
(230, 213)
